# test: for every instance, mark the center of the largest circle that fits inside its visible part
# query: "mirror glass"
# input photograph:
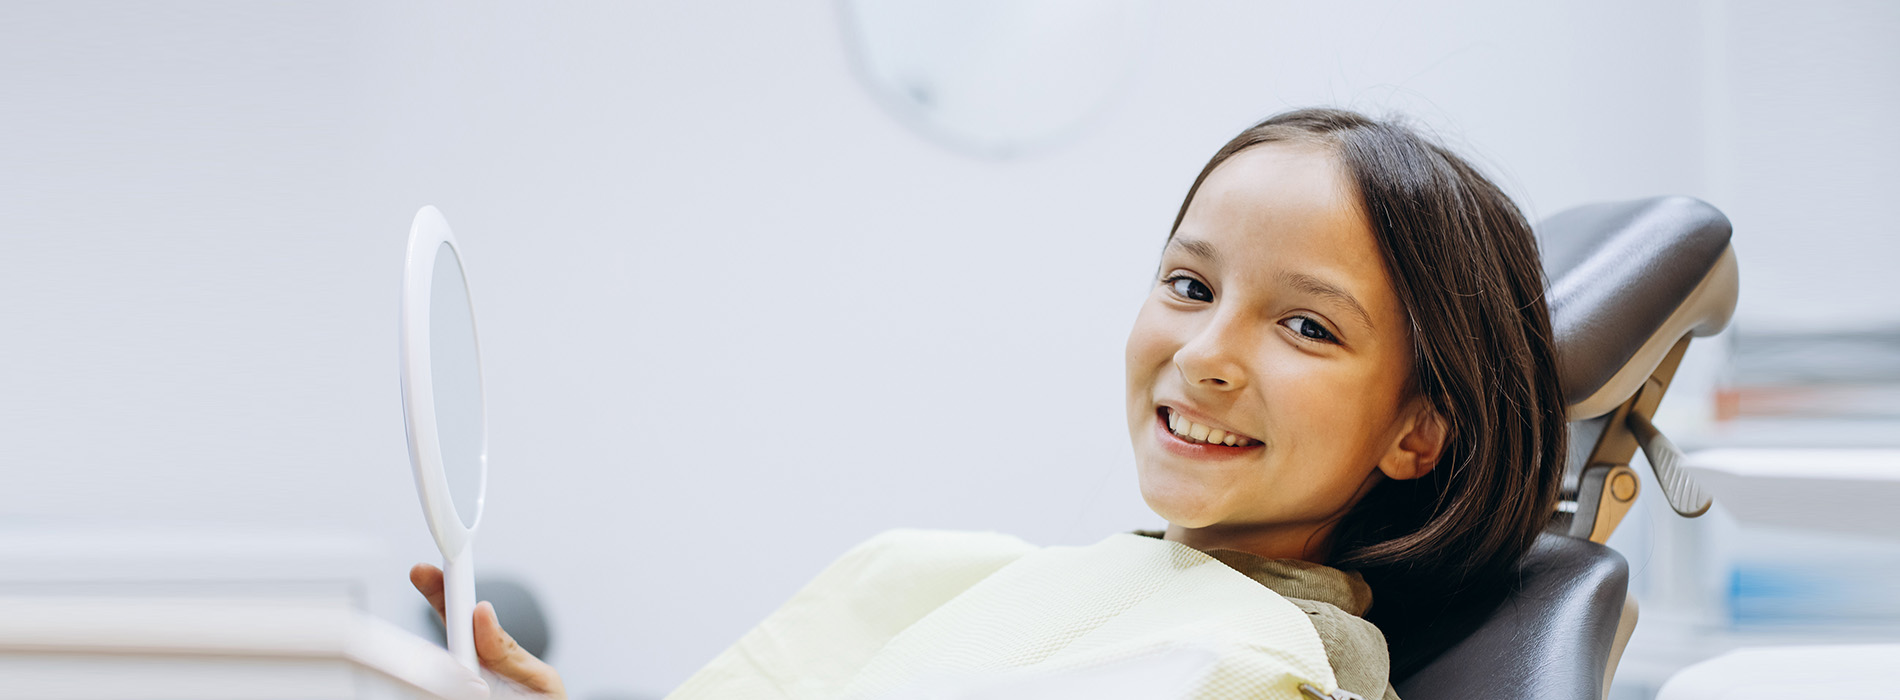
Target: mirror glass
(457, 377)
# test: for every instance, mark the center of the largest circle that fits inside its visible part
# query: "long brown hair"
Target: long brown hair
(1465, 266)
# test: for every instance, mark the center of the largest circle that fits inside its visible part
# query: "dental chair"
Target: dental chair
(1630, 284)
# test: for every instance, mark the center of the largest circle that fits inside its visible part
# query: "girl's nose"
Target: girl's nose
(1211, 359)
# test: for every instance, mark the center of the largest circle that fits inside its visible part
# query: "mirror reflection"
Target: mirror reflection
(458, 385)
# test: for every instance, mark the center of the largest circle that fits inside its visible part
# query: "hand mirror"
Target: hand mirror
(442, 409)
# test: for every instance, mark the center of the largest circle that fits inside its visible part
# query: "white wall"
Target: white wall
(735, 316)
(1802, 157)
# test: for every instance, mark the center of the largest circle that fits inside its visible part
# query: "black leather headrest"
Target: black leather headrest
(1549, 637)
(1628, 280)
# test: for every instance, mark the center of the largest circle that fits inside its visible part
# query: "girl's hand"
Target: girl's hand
(498, 651)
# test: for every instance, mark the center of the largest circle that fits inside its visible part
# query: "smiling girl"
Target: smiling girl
(1347, 361)
(1342, 384)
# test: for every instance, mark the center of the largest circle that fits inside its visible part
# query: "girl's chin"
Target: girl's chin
(1182, 504)
(1188, 523)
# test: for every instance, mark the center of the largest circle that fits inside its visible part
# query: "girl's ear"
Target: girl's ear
(1420, 442)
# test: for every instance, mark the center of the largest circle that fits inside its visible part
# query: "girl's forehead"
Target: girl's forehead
(1277, 186)
(1282, 205)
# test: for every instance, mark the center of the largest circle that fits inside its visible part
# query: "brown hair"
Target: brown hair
(1465, 266)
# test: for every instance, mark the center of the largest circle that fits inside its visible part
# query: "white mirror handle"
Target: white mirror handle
(458, 603)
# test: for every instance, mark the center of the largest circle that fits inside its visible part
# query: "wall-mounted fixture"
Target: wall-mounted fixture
(995, 78)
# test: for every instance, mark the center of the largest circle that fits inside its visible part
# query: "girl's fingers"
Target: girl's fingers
(496, 649)
(501, 654)
(428, 581)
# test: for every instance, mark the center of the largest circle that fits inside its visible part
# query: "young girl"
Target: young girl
(1342, 384)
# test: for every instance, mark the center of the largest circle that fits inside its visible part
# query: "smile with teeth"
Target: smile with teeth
(1200, 434)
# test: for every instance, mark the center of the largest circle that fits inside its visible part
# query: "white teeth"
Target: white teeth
(1200, 433)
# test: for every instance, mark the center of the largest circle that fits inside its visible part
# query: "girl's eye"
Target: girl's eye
(1310, 328)
(1190, 288)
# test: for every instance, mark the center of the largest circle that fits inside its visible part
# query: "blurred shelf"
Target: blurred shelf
(1838, 490)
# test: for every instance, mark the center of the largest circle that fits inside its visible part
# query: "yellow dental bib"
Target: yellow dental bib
(914, 609)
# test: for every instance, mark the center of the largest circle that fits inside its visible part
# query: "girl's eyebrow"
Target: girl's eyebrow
(1321, 288)
(1195, 247)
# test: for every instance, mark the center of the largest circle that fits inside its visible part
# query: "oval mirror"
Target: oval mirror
(443, 411)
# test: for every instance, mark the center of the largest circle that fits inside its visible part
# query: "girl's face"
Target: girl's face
(1269, 371)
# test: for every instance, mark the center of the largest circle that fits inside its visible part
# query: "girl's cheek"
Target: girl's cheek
(1152, 340)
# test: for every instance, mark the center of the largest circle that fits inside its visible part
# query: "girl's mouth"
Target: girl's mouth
(1183, 436)
(1195, 433)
